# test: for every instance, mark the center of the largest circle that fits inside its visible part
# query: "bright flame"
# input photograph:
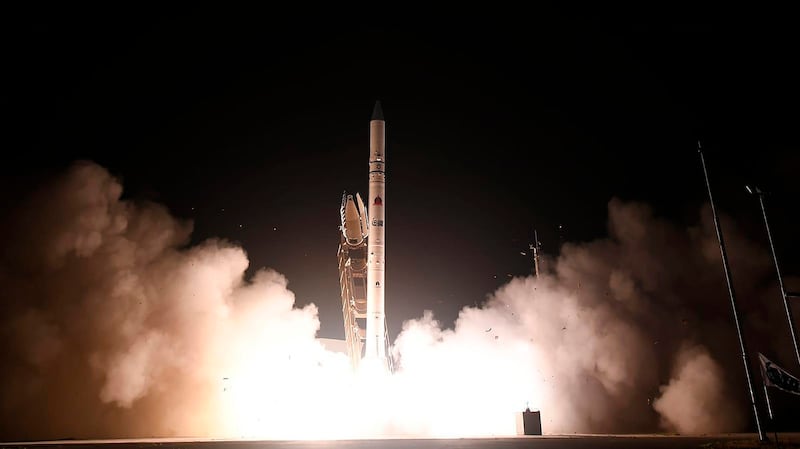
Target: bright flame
(301, 394)
(305, 392)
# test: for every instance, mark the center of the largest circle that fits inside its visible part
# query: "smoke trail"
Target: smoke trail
(113, 327)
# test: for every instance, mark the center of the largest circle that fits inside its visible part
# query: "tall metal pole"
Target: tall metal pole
(771, 416)
(729, 280)
(769, 406)
(786, 305)
(535, 248)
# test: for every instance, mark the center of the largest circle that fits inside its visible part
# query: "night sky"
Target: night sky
(252, 123)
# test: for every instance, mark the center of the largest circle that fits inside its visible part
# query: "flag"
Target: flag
(775, 376)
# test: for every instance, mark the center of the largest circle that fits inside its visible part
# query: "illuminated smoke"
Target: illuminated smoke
(694, 400)
(113, 327)
(598, 342)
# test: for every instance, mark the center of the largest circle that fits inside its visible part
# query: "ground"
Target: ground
(738, 441)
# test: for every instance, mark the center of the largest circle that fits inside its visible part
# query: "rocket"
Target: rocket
(376, 242)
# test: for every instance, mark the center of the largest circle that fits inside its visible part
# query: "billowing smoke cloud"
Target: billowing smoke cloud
(113, 327)
(626, 334)
(694, 400)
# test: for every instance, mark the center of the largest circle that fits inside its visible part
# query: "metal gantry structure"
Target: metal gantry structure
(352, 256)
(353, 280)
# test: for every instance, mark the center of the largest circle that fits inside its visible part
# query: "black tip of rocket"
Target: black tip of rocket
(377, 113)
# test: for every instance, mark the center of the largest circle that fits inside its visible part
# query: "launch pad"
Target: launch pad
(738, 441)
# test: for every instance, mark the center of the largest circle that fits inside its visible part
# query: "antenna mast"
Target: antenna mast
(534, 247)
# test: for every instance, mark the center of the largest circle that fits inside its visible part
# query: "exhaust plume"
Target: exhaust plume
(113, 327)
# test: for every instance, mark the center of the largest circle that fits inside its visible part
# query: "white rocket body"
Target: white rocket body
(376, 242)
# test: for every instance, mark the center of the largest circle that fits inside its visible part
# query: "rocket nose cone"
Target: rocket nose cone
(377, 113)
